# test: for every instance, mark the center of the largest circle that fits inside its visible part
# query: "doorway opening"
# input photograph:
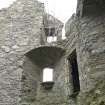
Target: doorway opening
(74, 72)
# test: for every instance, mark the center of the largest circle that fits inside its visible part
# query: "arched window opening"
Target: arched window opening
(47, 75)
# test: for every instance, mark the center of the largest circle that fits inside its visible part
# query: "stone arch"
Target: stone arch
(34, 62)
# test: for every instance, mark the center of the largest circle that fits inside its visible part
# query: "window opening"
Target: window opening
(51, 35)
(74, 72)
(47, 75)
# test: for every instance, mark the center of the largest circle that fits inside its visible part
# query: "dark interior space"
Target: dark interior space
(74, 72)
(50, 31)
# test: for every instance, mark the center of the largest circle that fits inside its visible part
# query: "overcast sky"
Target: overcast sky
(62, 9)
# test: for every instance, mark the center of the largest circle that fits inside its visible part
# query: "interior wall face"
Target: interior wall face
(31, 78)
(57, 94)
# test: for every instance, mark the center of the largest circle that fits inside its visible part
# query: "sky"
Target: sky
(61, 9)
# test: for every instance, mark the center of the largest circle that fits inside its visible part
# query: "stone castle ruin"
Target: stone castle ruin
(77, 63)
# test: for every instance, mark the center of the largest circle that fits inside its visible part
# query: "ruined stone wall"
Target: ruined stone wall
(87, 37)
(92, 46)
(21, 30)
(19, 33)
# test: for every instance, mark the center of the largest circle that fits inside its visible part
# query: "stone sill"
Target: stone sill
(47, 85)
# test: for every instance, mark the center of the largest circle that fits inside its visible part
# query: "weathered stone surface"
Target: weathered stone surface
(24, 52)
(87, 37)
(18, 34)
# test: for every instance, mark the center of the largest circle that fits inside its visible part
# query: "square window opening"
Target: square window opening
(47, 75)
(51, 35)
(47, 78)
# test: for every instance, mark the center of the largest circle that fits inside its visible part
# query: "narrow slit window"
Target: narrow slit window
(74, 72)
(47, 75)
